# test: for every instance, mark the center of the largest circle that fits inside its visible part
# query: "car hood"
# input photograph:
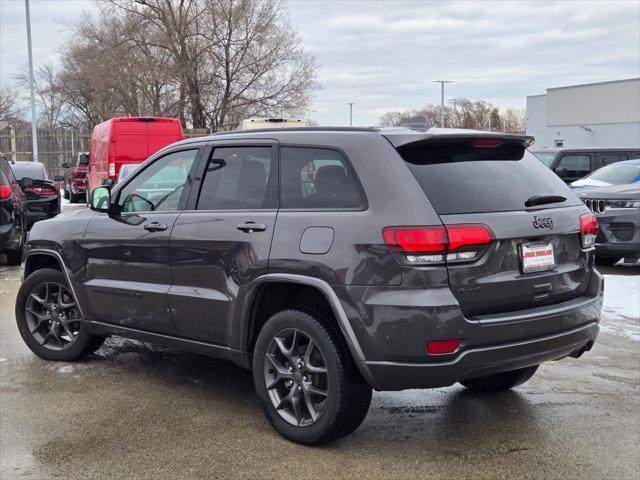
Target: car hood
(587, 182)
(631, 191)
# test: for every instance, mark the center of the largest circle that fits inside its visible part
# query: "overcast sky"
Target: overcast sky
(384, 55)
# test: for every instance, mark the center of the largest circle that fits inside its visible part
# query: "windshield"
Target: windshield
(34, 170)
(546, 157)
(617, 173)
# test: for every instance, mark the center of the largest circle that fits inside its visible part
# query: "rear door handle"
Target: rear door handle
(155, 227)
(251, 227)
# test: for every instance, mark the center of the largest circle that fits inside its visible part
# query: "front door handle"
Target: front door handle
(155, 227)
(251, 227)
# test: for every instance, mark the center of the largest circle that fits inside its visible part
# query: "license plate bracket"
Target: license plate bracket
(537, 257)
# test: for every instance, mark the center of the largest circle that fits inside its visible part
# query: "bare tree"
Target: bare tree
(9, 106)
(464, 113)
(49, 95)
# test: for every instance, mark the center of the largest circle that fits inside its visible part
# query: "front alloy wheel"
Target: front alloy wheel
(52, 316)
(295, 374)
(49, 318)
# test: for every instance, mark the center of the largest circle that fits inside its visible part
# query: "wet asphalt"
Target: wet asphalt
(138, 411)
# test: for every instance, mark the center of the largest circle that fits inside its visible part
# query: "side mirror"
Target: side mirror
(26, 182)
(58, 178)
(100, 199)
(84, 159)
(65, 165)
(108, 182)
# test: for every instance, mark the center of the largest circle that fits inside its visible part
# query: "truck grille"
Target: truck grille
(596, 206)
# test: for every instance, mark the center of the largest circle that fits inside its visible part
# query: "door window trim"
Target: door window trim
(348, 165)
(199, 147)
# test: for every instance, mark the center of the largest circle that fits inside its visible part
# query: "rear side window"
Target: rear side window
(574, 166)
(608, 158)
(238, 178)
(461, 178)
(317, 178)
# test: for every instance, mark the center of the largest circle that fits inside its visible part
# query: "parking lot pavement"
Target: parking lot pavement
(135, 410)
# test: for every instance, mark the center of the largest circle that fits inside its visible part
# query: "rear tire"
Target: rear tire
(49, 319)
(66, 193)
(332, 399)
(500, 381)
(607, 261)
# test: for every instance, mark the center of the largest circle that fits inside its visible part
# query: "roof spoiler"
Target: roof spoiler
(404, 136)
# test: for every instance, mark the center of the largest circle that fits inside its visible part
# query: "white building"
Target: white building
(605, 114)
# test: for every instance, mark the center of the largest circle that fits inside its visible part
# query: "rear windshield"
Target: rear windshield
(35, 171)
(461, 178)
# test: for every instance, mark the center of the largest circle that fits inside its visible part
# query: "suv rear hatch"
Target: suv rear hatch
(522, 244)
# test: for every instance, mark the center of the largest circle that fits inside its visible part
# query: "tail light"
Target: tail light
(5, 192)
(426, 245)
(42, 191)
(112, 170)
(588, 229)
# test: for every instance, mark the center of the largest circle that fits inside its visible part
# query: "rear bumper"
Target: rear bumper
(482, 361)
(394, 326)
(43, 209)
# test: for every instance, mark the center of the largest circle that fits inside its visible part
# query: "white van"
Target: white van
(253, 123)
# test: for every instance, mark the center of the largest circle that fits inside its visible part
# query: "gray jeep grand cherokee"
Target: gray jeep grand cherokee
(330, 261)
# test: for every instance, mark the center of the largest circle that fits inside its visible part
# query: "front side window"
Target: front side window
(317, 178)
(574, 166)
(159, 186)
(238, 178)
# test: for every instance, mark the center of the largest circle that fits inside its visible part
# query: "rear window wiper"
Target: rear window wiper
(543, 200)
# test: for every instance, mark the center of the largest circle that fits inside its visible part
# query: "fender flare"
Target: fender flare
(332, 298)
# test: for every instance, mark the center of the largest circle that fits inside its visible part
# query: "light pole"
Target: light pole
(350, 113)
(442, 82)
(34, 128)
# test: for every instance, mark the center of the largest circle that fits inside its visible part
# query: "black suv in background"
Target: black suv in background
(330, 261)
(13, 215)
(572, 164)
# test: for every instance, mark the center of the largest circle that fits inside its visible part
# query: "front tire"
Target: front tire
(49, 318)
(500, 381)
(308, 387)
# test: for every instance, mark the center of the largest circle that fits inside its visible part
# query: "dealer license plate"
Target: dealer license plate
(535, 257)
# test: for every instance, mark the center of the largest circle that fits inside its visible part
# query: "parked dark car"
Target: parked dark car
(571, 164)
(13, 215)
(43, 194)
(75, 178)
(618, 211)
(330, 261)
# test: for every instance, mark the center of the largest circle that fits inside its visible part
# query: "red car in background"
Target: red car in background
(75, 178)
(124, 140)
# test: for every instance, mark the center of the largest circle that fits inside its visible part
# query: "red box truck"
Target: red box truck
(127, 140)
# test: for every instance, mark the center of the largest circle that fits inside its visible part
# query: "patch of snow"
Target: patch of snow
(621, 306)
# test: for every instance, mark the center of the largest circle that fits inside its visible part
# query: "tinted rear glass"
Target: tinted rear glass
(35, 171)
(460, 178)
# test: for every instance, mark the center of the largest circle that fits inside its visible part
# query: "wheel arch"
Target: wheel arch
(37, 259)
(261, 295)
